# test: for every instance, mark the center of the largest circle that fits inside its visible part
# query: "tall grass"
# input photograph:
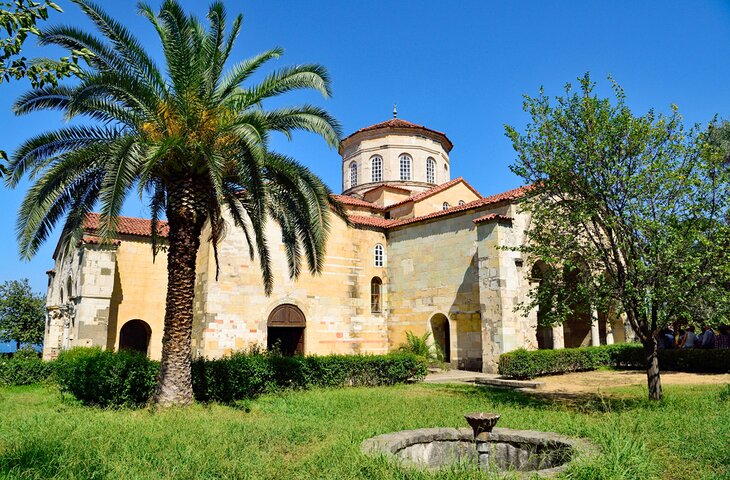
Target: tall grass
(316, 434)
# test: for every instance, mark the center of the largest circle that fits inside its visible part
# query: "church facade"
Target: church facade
(424, 253)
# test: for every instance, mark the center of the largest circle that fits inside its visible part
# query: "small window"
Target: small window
(376, 295)
(379, 255)
(431, 170)
(462, 202)
(353, 174)
(405, 167)
(445, 206)
(376, 169)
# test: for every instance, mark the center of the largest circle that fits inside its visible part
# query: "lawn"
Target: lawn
(316, 434)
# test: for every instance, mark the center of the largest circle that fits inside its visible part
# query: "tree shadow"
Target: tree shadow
(582, 402)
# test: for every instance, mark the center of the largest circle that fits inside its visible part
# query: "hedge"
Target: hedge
(106, 378)
(128, 379)
(245, 375)
(20, 370)
(524, 364)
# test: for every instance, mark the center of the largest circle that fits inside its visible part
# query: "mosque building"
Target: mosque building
(424, 253)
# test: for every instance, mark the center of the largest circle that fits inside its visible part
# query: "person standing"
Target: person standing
(708, 337)
(722, 340)
(690, 339)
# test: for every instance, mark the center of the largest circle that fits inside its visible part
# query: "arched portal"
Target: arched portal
(285, 330)
(135, 335)
(577, 326)
(442, 335)
(543, 333)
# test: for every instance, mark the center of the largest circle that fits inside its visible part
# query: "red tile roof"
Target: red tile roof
(94, 240)
(434, 191)
(370, 221)
(387, 185)
(482, 202)
(348, 200)
(400, 123)
(492, 216)
(141, 227)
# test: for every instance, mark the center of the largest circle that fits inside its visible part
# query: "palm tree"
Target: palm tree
(190, 139)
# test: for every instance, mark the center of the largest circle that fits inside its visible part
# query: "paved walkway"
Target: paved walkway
(457, 376)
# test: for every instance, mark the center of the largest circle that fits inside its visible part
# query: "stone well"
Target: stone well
(533, 453)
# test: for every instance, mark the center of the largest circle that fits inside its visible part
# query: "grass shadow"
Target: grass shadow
(582, 402)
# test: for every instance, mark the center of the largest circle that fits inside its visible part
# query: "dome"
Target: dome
(397, 153)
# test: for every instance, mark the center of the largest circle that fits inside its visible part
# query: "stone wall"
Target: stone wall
(231, 312)
(433, 271)
(140, 286)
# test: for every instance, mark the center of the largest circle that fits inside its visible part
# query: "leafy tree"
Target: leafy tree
(18, 20)
(718, 136)
(192, 139)
(21, 313)
(626, 210)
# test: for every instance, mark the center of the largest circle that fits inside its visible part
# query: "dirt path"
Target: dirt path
(593, 382)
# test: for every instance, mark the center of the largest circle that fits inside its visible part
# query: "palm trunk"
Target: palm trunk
(654, 381)
(185, 218)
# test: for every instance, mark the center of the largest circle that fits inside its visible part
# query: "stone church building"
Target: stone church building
(423, 254)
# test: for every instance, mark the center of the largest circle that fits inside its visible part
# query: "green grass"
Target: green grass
(316, 434)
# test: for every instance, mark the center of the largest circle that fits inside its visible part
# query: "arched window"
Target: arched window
(431, 170)
(353, 174)
(379, 255)
(376, 295)
(462, 202)
(376, 169)
(405, 167)
(445, 206)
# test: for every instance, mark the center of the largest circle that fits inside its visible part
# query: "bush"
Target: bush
(421, 347)
(128, 379)
(524, 364)
(246, 375)
(105, 378)
(24, 370)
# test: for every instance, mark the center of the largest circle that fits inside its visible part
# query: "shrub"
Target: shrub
(246, 375)
(420, 346)
(105, 378)
(24, 370)
(524, 364)
(27, 353)
(128, 379)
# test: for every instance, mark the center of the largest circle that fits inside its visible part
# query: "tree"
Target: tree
(626, 210)
(192, 139)
(22, 316)
(18, 20)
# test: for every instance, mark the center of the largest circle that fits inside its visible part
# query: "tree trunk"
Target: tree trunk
(17, 345)
(654, 381)
(185, 217)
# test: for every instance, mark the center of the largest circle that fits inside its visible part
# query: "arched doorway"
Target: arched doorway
(577, 325)
(135, 335)
(543, 333)
(442, 335)
(285, 330)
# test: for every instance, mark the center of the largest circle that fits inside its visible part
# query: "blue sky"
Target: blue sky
(462, 70)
